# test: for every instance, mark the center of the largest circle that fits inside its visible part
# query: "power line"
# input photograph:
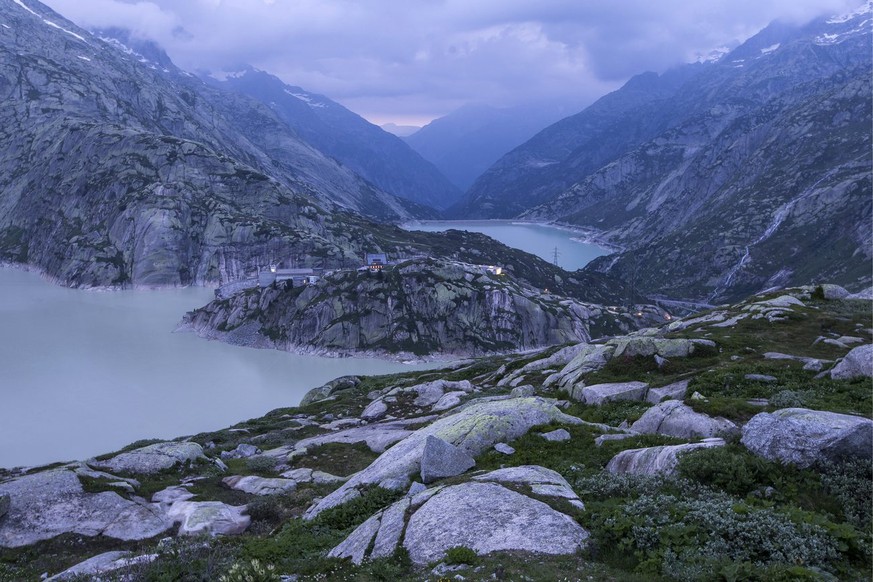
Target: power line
(555, 255)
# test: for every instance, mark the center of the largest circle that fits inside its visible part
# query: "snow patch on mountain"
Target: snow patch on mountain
(770, 49)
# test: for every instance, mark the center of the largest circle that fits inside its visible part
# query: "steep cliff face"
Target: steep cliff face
(719, 179)
(420, 307)
(122, 170)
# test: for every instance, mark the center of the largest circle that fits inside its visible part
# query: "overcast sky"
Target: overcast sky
(409, 61)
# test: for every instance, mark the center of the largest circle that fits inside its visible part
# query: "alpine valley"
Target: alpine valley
(695, 405)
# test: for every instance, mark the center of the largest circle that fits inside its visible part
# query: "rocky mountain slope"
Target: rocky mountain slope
(720, 178)
(382, 158)
(466, 142)
(735, 443)
(420, 307)
(123, 170)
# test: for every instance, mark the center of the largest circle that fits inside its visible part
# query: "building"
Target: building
(267, 277)
(375, 261)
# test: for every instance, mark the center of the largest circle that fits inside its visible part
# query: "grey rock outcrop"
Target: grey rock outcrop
(601, 393)
(674, 418)
(674, 391)
(421, 306)
(556, 435)
(242, 451)
(482, 515)
(259, 485)
(328, 389)
(153, 458)
(51, 503)
(306, 475)
(487, 517)
(858, 363)
(655, 460)
(104, 563)
(375, 410)
(5, 502)
(208, 517)
(833, 291)
(590, 358)
(439, 459)
(474, 428)
(804, 437)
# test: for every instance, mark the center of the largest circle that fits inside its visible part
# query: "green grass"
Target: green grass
(337, 458)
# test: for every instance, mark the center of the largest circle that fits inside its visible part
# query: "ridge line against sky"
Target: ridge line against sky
(410, 61)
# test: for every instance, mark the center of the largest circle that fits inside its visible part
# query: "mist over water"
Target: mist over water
(537, 239)
(87, 372)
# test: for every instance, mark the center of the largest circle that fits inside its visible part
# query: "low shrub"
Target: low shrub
(461, 555)
(693, 538)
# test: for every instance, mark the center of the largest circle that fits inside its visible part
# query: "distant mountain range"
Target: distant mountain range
(466, 142)
(719, 178)
(380, 157)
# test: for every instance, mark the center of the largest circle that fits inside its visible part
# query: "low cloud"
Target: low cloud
(411, 60)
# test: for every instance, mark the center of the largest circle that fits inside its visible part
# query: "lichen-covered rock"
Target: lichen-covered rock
(153, 458)
(556, 435)
(375, 410)
(674, 391)
(306, 475)
(242, 451)
(804, 437)
(327, 390)
(4, 504)
(655, 460)
(858, 363)
(474, 428)
(390, 531)
(439, 459)
(51, 503)
(208, 517)
(355, 546)
(487, 517)
(590, 358)
(541, 480)
(601, 393)
(259, 485)
(104, 563)
(675, 418)
(448, 400)
(831, 291)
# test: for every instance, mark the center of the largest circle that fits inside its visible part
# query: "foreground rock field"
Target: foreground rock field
(731, 444)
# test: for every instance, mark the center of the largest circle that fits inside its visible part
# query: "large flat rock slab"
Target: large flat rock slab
(473, 429)
(804, 437)
(599, 394)
(483, 515)
(152, 458)
(674, 418)
(51, 503)
(655, 460)
(488, 517)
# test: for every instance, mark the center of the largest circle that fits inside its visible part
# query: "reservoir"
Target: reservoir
(537, 239)
(88, 372)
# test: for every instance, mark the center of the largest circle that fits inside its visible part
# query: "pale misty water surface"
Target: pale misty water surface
(84, 372)
(537, 239)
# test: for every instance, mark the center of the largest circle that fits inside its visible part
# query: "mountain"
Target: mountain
(400, 130)
(120, 169)
(380, 157)
(719, 179)
(464, 143)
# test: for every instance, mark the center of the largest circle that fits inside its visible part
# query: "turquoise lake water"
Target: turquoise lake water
(537, 239)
